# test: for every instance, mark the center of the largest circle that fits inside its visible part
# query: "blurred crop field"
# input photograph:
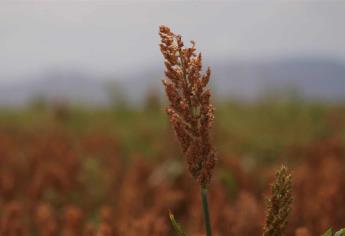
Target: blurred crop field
(67, 170)
(87, 147)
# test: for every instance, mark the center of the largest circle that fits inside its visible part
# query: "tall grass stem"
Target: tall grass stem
(207, 220)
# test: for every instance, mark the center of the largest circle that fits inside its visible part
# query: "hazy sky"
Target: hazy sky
(111, 37)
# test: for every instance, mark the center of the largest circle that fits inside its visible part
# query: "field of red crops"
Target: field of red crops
(77, 172)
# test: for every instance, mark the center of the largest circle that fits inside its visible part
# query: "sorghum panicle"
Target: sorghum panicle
(279, 204)
(190, 111)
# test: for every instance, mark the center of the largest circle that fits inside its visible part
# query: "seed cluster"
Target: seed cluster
(190, 111)
(279, 205)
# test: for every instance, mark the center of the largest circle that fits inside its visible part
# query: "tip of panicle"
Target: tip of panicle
(164, 29)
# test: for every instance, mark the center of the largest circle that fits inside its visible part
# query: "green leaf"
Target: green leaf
(176, 225)
(328, 232)
(340, 232)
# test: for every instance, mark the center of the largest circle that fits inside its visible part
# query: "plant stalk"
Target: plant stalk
(207, 220)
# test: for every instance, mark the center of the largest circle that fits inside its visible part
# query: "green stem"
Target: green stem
(207, 220)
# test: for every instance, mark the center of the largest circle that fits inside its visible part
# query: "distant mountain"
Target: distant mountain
(310, 78)
(76, 87)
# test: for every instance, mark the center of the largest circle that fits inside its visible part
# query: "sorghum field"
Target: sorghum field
(67, 170)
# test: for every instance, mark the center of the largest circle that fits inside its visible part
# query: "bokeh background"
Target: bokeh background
(85, 145)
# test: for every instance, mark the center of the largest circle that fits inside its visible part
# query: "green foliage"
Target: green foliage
(256, 131)
(340, 232)
(329, 232)
(252, 131)
(177, 226)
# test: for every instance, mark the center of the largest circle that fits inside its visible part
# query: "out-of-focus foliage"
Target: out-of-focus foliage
(76, 171)
(177, 226)
(329, 232)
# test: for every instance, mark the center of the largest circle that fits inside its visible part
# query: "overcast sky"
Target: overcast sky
(112, 37)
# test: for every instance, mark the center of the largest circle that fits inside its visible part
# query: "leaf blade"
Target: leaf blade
(328, 232)
(340, 232)
(176, 225)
